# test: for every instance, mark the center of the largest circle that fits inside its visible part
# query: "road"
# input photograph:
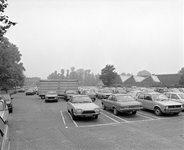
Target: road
(36, 125)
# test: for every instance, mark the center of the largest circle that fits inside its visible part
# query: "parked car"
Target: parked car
(51, 96)
(4, 136)
(159, 103)
(30, 91)
(121, 103)
(103, 93)
(176, 96)
(22, 90)
(82, 106)
(69, 93)
(90, 93)
(8, 99)
(3, 109)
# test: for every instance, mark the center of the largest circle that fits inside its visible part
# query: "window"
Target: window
(174, 96)
(147, 97)
(141, 96)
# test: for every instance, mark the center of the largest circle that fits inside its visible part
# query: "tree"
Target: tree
(181, 71)
(181, 81)
(11, 69)
(144, 73)
(5, 23)
(108, 74)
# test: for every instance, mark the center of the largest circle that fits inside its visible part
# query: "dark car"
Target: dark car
(9, 103)
(69, 93)
(30, 92)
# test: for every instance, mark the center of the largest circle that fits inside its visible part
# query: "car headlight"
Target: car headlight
(181, 106)
(78, 111)
(97, 110)
(166, 107)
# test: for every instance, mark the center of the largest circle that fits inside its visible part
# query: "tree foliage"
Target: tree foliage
(144, 73)
(5, 22)
(108, 74)
(11, 69)
(85, 77)
(181, 81)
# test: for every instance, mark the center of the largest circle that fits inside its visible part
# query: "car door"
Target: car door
(4, 135)
(6, 112)
(69, 104)
(107, 101)
(148, 102)
(112, 101)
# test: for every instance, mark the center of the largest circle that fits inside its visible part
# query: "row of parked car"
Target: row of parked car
(126, 101)
(6, 107)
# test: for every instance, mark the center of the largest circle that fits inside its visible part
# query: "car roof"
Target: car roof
(175, 92)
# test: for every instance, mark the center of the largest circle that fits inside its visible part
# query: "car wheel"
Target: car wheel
(73, 116)
(134, 112)
(115, 111)
(103, 107)
(96, 117)
(158, 112)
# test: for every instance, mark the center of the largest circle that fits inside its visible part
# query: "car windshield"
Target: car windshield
(125, 98)
(82, 99)
(71, 92)
(181, 95)
(51, 93)
(159, 97)
(1, 106)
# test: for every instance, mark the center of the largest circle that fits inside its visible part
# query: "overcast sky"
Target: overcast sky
(132, 35)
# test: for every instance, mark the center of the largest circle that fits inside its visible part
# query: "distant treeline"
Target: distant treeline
(85, 77)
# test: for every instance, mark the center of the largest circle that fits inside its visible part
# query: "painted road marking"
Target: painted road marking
(63, 119)
(116, 116)
(110, 118)
(73, 120)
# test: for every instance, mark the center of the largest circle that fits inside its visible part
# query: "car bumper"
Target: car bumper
(130, 109)
(87, 115)
(168, 111)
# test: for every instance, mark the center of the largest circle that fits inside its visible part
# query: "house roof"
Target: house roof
(138, 78)
(124, 78)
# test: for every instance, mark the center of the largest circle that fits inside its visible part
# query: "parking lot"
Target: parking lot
(36, 125)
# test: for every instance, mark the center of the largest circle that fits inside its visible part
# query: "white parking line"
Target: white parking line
(146, 117)
(154, 117)
(96, 125)
(63, 119)
(110, 118)
(116, 117)
(73, 120)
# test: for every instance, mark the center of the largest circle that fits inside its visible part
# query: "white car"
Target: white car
(82, 106)
(51, 96)
(175, 96)
(4, 112)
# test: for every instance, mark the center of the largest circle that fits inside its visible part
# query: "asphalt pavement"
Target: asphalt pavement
(36, 125)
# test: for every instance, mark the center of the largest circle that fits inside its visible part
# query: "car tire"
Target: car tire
(96, 117)
(158, 111)
(134, 112)
(103, 107)
(73, 116)
(115, 111)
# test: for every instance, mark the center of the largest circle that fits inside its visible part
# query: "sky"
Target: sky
(131, 35)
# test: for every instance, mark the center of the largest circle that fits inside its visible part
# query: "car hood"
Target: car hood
(168, 103)
(86, 106)
(131, 103)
